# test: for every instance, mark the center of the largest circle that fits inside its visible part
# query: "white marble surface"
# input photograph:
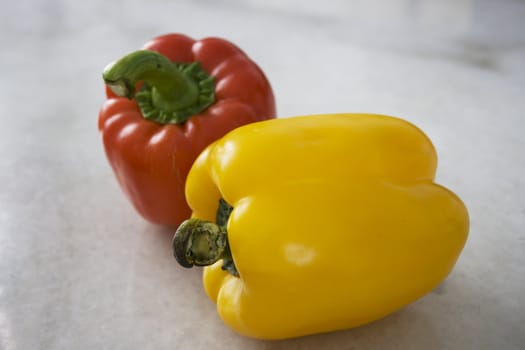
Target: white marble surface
(79, 269)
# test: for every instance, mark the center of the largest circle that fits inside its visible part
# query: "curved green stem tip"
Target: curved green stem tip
(171, 92)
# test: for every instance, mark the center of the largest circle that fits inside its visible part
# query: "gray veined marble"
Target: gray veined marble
(80, 270)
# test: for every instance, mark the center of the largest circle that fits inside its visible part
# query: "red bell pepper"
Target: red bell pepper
(165, 104)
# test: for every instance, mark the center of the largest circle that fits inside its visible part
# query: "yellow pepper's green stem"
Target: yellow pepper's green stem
(198, 242)
(202, 243)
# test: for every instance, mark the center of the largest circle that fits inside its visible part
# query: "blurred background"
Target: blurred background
(79, 269)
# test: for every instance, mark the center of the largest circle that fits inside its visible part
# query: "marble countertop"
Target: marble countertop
(79, 269)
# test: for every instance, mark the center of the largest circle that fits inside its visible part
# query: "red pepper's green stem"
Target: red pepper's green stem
(202, 243)
(171, 93)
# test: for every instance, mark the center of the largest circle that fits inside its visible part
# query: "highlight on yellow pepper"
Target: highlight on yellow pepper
(319, 223)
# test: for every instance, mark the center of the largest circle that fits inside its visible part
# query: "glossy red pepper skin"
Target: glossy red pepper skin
(151, 160)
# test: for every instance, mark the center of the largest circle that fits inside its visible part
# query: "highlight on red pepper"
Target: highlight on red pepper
(165, 104)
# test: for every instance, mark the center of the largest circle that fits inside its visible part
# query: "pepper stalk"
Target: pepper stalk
(202, 243)
(172, 92)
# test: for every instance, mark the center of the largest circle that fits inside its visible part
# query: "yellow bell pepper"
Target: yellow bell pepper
(336, 222)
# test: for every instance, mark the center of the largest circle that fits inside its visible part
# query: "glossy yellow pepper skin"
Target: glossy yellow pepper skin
(336, 222)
